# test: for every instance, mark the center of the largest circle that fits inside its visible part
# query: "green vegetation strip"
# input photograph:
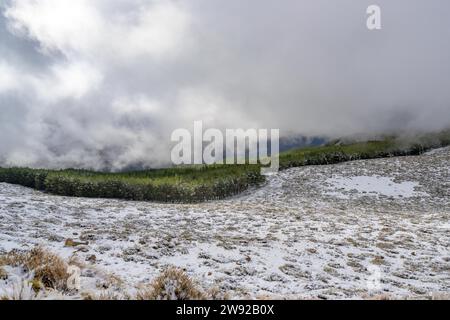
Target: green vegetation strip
(203, 183)
(167, 185)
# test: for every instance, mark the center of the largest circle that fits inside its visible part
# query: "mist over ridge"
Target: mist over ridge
(102, 84)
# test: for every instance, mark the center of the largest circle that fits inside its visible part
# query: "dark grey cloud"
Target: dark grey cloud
(103, 83)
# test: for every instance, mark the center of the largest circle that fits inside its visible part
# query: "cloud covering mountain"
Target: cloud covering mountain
(103, 83)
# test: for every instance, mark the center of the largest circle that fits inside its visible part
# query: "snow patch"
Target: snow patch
(372, 185)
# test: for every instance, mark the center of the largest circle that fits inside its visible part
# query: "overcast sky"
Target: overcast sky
(89, 83)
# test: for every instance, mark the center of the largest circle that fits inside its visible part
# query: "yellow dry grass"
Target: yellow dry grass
(172, 284)
(50, 271)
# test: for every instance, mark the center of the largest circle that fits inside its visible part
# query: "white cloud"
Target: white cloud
(64, 81)
(139, 106)
(8, 78)
(65, 25)
(159, 29)
(84, 29)
(102, 83)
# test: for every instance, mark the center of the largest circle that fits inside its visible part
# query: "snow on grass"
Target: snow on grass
(373, 185)
(437, 151)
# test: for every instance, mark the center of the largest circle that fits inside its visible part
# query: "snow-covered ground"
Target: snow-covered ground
(375, 185)
(337, 231)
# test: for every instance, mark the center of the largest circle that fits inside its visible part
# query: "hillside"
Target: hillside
(202, 183)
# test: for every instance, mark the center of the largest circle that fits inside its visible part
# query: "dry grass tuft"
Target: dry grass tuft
(46, 277)
(378, 297)
(3, 274)
(440, 296)
(173, 284)
(105, 296)
(13, 258)
(49, 270)
(217, 294)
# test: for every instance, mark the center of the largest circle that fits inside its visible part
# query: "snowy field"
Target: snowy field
(340, 231)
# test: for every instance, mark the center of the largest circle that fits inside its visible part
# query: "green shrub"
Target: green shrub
(168, 185)
(388, 147)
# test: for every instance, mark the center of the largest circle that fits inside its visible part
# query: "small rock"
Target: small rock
(55, 238)
(274, 277)
(92, 258)
(83, 249)
(86, 237)
(71, 243)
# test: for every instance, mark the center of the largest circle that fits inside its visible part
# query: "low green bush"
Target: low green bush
(167, 185)
(336, 152)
